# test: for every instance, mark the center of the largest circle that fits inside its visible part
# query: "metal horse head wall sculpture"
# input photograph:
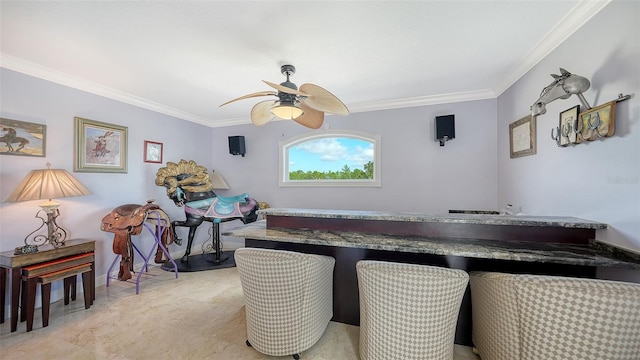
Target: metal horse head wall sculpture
(565, 85)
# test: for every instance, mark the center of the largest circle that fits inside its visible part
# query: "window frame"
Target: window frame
(283, 177)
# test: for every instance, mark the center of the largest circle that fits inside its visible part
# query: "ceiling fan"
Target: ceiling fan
(305, 106)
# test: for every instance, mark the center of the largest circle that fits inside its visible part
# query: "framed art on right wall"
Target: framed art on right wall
(568, 125)
(597, 122)
(522, 137)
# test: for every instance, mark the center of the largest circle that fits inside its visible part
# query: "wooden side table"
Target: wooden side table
(13, 264)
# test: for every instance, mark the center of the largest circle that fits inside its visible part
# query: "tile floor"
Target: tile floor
(200, 315)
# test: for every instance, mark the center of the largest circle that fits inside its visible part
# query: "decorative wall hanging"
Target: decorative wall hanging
(597, 123)
(99, 147)
(153, 152)
(565, 133)
(22, 138)
(593, 123)
(522, 137)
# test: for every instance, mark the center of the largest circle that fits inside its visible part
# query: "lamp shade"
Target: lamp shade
(287, 111)
(47, 184)
(217, 182)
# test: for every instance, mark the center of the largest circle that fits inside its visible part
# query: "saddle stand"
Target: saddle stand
(157, 223)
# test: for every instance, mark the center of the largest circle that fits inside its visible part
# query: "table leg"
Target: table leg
(31, 301)
(86, 289)
(15, 296)
(93, 282)
(45, 290)
(3, 286)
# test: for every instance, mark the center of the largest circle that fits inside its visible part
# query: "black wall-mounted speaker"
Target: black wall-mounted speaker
(236, 145)
(445, 128)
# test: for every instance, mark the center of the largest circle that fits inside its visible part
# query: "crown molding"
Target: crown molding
(573, 20)
(45, 73)
(423, 101)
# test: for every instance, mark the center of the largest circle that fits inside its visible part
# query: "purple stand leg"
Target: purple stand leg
(157, 236)
(111, 268)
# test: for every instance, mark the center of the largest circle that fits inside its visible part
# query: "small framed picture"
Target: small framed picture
(152, 152)
(22, 138)
(522, 137)
(568, 125)
(99, 147)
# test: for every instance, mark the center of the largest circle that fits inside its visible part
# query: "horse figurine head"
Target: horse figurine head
(563, 86)
(185, 181)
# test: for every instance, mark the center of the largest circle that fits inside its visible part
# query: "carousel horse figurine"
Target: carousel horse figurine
(127, 220)
(189, 185)
(563, 86)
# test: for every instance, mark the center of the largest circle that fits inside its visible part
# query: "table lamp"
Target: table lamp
(217, 181)
(47, 184)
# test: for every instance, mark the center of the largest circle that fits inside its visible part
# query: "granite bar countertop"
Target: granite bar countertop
(479, 219)
(596, 254)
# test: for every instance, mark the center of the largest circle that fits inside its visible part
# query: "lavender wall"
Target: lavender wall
(597, 180)
(34, 100)
(418, 175)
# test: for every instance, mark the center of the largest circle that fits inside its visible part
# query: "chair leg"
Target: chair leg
(248, 343)
(296, 356)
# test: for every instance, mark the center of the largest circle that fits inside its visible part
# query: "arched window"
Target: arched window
(330, 158)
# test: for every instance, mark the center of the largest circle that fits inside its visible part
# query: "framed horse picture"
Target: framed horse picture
(22, 138)
(99, 147)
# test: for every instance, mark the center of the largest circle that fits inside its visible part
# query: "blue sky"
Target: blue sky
(330, 154)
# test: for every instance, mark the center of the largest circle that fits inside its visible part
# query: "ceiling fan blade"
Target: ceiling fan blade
(311, 118)
(261, 93)
(322, 100)
(261, 112)
(284, 89)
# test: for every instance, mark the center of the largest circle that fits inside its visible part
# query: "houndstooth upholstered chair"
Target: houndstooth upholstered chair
(408, 311)
(550, 317)
(288, 298)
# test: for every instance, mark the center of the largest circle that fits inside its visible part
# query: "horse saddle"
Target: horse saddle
(124, 221)
(224, 207)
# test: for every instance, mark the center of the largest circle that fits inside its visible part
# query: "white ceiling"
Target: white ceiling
(185, 58)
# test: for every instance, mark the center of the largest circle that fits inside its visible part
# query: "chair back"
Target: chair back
(553, 317)
(408, 311)
(288, 298)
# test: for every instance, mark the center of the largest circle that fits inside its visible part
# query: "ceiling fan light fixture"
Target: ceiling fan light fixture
(287, 111)
(305, 106)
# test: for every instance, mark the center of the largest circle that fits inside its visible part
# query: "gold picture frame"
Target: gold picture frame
(22, 138)
(597, 122)
(99, 147)
(567, 126)
(153, 152)
(522, 137)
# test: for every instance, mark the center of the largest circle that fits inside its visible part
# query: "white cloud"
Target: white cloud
(332, 150)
